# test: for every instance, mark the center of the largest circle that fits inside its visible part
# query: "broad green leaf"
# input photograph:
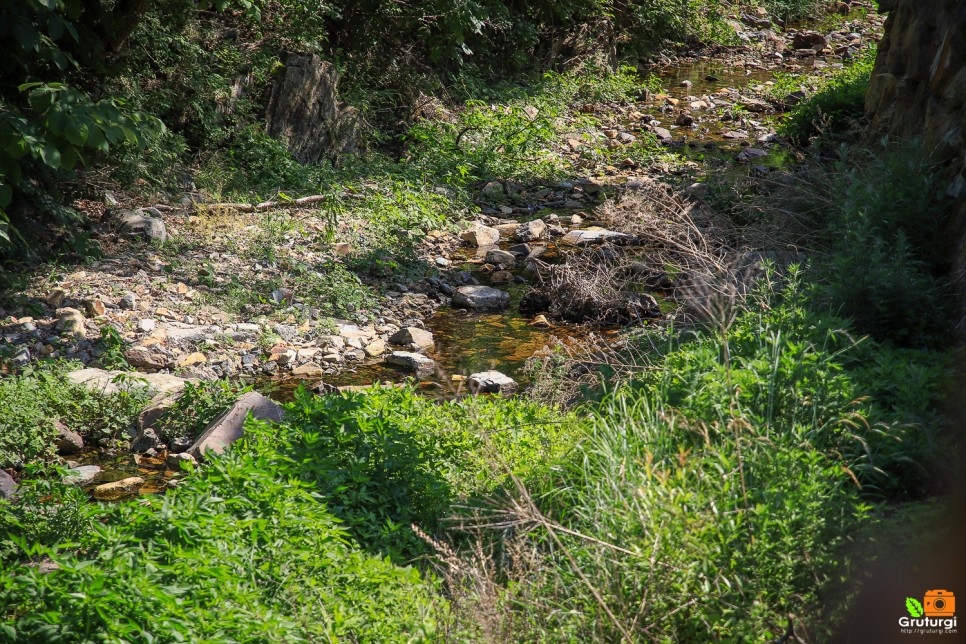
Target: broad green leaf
(50, 155)
(914, 607)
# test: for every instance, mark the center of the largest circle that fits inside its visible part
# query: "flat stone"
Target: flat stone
(501, 277)
(375, 348)
(115, 489)
(412, 337)
(81, 475)
(111, 382)
(590, 236)
(751, 153)
(229, 427)
(480, 297)
(308, 370)
(493, 382)
(192, 359)
(416, 363)
(479, 235)
(174, 461)
(177, 332)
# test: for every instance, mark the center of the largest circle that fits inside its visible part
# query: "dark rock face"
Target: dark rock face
(306, 114)
(918, 89)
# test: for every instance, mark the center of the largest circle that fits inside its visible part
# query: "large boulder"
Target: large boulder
(479, 235)
(305, 112)
(480, 297)
(229, 427)
(67, 442)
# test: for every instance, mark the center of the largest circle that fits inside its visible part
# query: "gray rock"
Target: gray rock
(71, 322)
(128, 302)
(147, 439)
(751, 153)
(67, 442)
(588, 237)
(147, 325)
(412, 337)
(139, 224)
(178, 333)
(174, 461)
(531, 230)
(479, 235)
(492, 382)
(285, 331)
(180, 444)
(306, 114)
(480, 297)
(492, 190)
(416, 363)
(229, 427)
(8, 487)
(81, 475)
(497, 256)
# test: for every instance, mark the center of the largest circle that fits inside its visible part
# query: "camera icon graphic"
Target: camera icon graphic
(939, 603)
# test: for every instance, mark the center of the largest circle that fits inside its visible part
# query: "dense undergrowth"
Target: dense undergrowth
(729, 482)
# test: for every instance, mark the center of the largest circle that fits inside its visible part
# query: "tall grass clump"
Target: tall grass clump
(715, 495)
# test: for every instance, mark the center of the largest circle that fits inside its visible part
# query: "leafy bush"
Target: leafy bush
(836, 107)
(886, 266)
(197, 407)
(243, 553)
(32, 403)
(388, 459)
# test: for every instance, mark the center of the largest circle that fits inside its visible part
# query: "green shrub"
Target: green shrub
(887, 253)
(197, 407)
(31, 404)
(836, 107)
(388, 459)
(242, 553)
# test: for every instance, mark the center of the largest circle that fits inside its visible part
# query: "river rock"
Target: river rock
(479, 235)
(809, 40)
(115, 489)
(416, 363)
(229, 427)
(497, 256)
(588, 237)
(174, 461)
(81, 475)
(480, 297)
(501, 277)
(751, 153)
(492, 382)
(67, 442)
(147, 439)
(130, 223)
(8, 487)
(413, 338)
(531, 230)
(71, 322)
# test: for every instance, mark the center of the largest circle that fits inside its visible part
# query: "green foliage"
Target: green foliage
(34, 401)
(112, 346)
(886, 265)
(716, 493)
(197, 406)
(388, 459)
(242, 554)
(796, 10)
(836, 107)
